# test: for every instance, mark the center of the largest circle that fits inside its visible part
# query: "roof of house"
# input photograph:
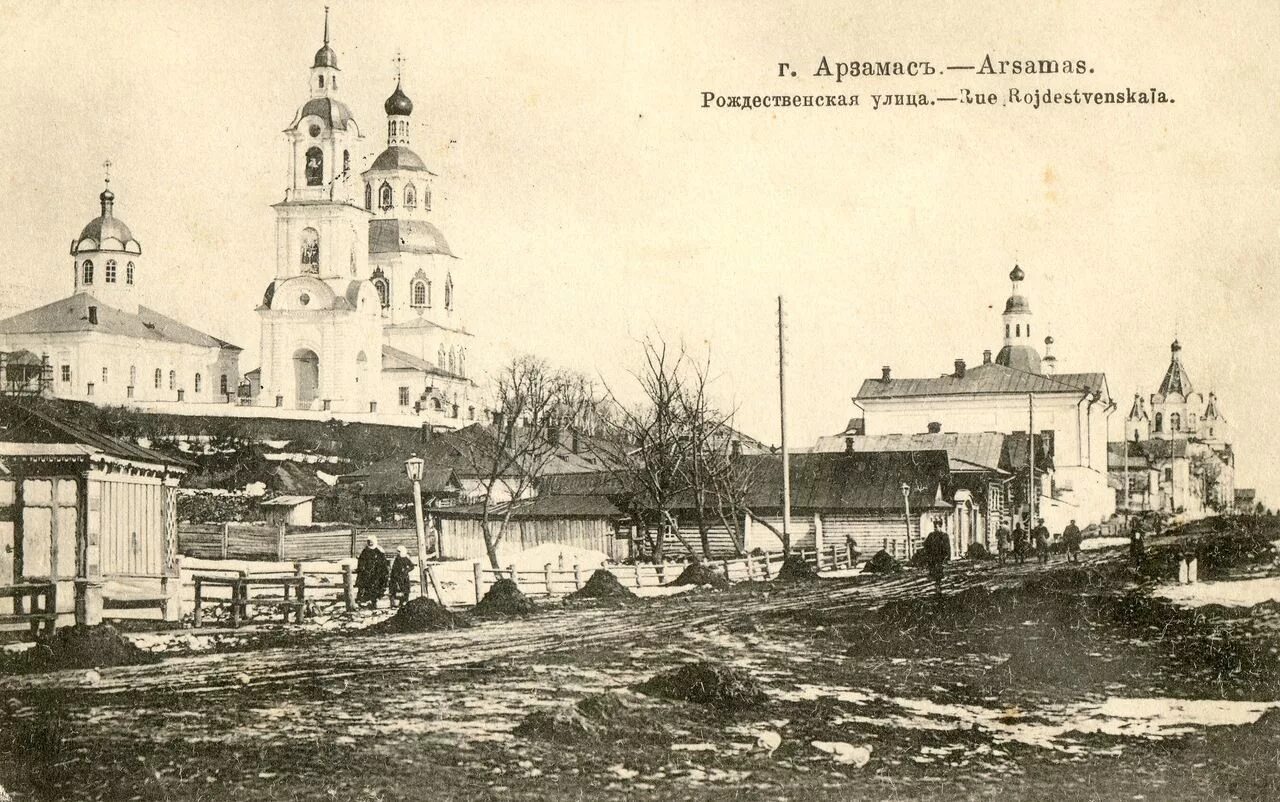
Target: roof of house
(71, 314)
(22, 422)
(395, 359)
(983, 379)
(388, 478)
(966, 451)
(287, 501)
(557, 506)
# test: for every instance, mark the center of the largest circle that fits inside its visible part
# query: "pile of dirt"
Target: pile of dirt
(602, 585)
(79, 646)
(882, 562)
(563, 724)
(420, 615)
(795, 569)
(1233, 545)
(977, 551)
(602, 716)
(503, 600)
(712, 684)
(699, 574)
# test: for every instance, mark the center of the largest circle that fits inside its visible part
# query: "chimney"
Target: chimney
(93, 315)
(553, 435)
(497, 420)
(959, 368)
(735, 448)
(986, 357)
(884, 373)
(575, 445)
(848, 445)
(935, 427)
(424, 433)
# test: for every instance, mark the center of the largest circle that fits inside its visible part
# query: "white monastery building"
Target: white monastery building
(101, 344)
(362, 315)
(1017, 392)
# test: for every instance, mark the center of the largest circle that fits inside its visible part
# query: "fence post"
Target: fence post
(348, 586)
(355, 532)
(225, 526)
(662, 572)
(725, 566)
(765, 563)
(636, 568)
(280, 542)
(511, 569)
(475, 568)
(197, 614)
(547, 575)
(577, 575)
(302, 597)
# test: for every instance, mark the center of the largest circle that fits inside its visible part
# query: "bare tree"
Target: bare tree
(532, 405)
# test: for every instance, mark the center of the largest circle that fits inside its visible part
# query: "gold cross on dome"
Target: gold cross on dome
(399, 62)
(106, 167)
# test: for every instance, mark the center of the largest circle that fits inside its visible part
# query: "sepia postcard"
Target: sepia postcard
(584, 400)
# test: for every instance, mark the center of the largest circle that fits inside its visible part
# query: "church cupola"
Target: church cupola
(106, 256)
(324, 69)
(1018, 351)
(323, 134)
(398, 108)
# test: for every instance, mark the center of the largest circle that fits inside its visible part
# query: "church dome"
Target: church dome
(1017, 305)
(106, 233)
(1016, 274)
(398, 104)
(1019, 357)
(397, 157)
(326, 57)
(334, 113)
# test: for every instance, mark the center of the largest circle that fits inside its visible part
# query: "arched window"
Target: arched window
(1159, 421)
(1028, 329)
(448, 293)
(133, 375)
(1006, 330)
(322, 82)
(173, 380)
(310, 250)
(385, 196)
(315, 167)
(346, 161)
(1175, 422)
(104, 374)
(128, 273)
(471, 413)
(440, 358)
(410, 197)
(420, 295)
(453, 361)
(222, 385)
(436, 405)
(462, 362)
(426, 199)
(88, 272)
(196, 382)
(159, 378)
(391, 129)
(111, 271)
(384, 292)
(1017, 330)
(368, 196)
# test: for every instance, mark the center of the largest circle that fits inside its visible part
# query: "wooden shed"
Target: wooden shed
(289, 510)
(87, 522)
(582, 522)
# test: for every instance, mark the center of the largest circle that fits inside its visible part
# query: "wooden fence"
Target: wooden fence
(239, 541)
(43, 606)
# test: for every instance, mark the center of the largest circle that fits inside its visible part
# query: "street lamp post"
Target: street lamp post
(906, 506)
(413, 469)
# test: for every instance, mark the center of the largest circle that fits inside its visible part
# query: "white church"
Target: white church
(361, 321)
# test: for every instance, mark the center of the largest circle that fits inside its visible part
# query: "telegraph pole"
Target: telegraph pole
(1031, 462)
(782, 427)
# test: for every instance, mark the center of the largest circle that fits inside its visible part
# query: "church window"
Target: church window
(66, 373)
(222, 384)
(385, 196)
(346, 161)
(173, 379)
(322, 82)
(196, 383)
(128, 273)
(384, 295)
(436, 405)
(1175, 422)
(426, 199)
(159, 378)
(368, 196)
(453, 362)
(88, 272)
(111, 271)
(1006, 330)
(1017, 330)
(89, 389)
(1159, 421)
(315, 167)
(391, 129)
(404, 396)
(440, 358)
(448, 293)
(310, 250)
(1028, 329)
(421, 293)
(455, 410)
(133, 375)
(104, 375)
(471, 413)
(410, 197)
(1211, 431)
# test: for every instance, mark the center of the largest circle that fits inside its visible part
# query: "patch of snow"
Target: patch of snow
(1237, 593)
(255, 489)
(1095, 543)
(561, 557)
(328, 478)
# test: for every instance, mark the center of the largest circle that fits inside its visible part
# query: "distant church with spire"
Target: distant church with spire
(362, 315)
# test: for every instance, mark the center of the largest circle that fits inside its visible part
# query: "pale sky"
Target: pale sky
(592, 199)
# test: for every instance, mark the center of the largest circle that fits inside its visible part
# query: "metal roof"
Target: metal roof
(965, 451)
(71, 314)
(287, 501)
(989, 379)
(399, 157)
(406, 236)
(558, 506)
(22, 423)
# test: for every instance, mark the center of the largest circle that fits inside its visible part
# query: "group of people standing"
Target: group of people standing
(1019, 542)
(376, 575)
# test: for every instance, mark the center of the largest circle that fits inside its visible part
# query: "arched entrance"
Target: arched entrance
(306, 377)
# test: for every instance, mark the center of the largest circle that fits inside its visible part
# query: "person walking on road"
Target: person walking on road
(1019, 543)
(937, 551)
(371, 573)
(1137, 546)
(1004, 542)
(1071, 540)
(1041, 535)
(401, 569)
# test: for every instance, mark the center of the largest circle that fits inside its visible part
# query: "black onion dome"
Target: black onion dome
(399, 103)
(326, 57)
(1016, 274)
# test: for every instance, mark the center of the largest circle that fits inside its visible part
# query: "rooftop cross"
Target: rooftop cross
(399, 62)
(106, 167)
(326, 25)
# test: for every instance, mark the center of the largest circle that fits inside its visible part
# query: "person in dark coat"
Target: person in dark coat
(1019, 543)
(937, 551)
(371, 574)
(401, 570)
(1071, 540)
(1004, 542)
(1041, 536)
(1137, 546)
